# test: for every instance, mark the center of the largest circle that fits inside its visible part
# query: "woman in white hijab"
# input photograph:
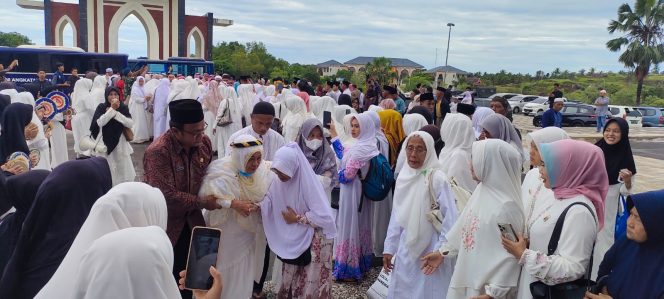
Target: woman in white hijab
(39, 147)
(292, 123)
(299, 226)
(478, 117)
(84, 106)
(411, 235)
(483, 268)
(240, 182)
(160, 114)
(413, 122)
(98, 90)
(353, 245)
(247, 97)
(150, 87)
(137, 109)
(229, 104)
(125, 205)
(132, 263)
(381, 209)
(458, 135)
(192, 91)
(211, 102)
(338, 115)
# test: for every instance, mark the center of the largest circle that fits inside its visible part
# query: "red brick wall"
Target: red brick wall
(68, 9)
(195, 21)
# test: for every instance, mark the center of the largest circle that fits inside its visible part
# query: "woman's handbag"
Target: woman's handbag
(434, 216)
(568, 290)
(461, 195)
(621, 218)
(225, 118)
(378, 289)
(128, 134)
(87, 143)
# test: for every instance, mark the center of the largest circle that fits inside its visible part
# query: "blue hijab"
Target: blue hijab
(635, 269)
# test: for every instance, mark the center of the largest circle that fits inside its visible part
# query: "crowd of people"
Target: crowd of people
(313, 185)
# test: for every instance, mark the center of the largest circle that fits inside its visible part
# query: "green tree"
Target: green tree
(381, 70)
(643, 38)
(13, 39)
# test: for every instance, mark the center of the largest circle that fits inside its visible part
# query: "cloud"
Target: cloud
(515, 35)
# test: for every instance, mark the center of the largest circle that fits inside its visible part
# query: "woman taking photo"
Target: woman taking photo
(620, 168)
(299, 226)
(109, 123)
(411, 235)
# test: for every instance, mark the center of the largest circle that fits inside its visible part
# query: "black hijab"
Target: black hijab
(435, 133)
(5, 100)
(15, 117)
(345, 99)
(421, 110)
(20, 191)
(62, 204)
(618, 156)
(112, 131)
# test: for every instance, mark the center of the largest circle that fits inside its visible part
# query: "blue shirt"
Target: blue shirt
(58, 78)
(552, 118)
(401, 105)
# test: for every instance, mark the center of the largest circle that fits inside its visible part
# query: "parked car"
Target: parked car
(574, 115)
(537, 105)
(517, 102)
(630, 114)
(652, 116)
(486, 102)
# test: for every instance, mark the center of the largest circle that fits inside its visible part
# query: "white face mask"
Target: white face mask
(313, 144)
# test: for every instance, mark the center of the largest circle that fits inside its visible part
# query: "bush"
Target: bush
(653, 101)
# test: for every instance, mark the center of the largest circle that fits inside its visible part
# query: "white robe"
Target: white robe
(381, 210)
(160, 115)
(84, 107)
(58, 140)
(137, 107)
(224, 133)
(407, 279)
(272, 141)
(40, 143)
(119, 160)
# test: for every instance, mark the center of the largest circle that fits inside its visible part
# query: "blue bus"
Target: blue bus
(174, 65)
(32, 59)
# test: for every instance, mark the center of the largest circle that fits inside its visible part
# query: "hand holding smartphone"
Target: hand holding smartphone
(327, 119)
(508, 232)
(203, 251)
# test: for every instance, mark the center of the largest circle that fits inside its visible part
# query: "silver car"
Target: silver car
(517, 102)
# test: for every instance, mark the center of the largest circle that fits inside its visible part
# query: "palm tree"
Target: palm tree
(643, 37)
(381, 70)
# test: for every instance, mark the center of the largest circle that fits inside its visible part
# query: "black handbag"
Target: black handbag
(303, 260)
(568, 290)
(335, 198)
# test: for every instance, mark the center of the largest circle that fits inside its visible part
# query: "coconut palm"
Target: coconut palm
(643, 38)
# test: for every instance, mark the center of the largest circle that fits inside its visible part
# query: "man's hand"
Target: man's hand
(210, 203)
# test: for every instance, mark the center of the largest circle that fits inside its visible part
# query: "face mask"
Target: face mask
(244, 174)
(313, 144)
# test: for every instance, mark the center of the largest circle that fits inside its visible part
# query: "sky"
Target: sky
(517, 36)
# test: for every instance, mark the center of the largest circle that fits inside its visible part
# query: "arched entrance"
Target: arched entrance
(195, 46)
(148, 24)
(60, 27)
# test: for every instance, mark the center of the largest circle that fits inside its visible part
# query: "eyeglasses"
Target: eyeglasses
(197, 134)
(416, 150)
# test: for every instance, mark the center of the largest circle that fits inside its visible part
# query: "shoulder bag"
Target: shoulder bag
(434, 216)
(225, 117)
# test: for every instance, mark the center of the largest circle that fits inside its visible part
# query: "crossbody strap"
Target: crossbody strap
(557, 230)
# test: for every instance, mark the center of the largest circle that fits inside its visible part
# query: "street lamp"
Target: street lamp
(449, 34)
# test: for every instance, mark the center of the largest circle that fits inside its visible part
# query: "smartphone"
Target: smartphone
(203, 250)
(327, 118)
(507, 231)
(347, 111)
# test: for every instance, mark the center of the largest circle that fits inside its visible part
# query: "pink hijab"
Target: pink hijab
(388, 104)
(305, 97)
(213, 97)
(577, 168)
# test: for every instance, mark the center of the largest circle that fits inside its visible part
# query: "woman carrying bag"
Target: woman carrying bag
(111, 130)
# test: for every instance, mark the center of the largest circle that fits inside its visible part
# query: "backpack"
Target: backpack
(379, 179)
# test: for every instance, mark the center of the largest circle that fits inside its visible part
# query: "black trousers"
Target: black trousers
(258, 286)
(180, 253)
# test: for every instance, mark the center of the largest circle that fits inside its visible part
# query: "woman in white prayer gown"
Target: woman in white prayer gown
(58, 139)
(137, 106)
(126, 205)
(211, 102)
(231, 103)
(411, 235)
(160, 115)
(240, 182)
(411, 123)
(458, 134)
(150, 87)
(338, 115)
(84, 106)
(98, 89)
(247, 97)
(381, 209)
(483, 267)
(478, 117)
(292, 123)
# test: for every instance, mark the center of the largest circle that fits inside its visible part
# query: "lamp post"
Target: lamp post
(449, 34)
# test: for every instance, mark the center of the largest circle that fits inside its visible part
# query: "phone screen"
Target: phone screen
(327, 118)
(203, 251)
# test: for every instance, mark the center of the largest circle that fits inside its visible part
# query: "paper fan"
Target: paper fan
(47, 108)
(19, 159)
(60, 99)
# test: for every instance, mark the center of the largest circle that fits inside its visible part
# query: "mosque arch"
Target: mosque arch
(199, 47)
(60, 30)
(144, 17)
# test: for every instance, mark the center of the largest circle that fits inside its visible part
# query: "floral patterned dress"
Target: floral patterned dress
(314, 280)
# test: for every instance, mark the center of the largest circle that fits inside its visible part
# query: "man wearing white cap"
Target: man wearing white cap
(109, 73)
(602, 109)
(552, 117)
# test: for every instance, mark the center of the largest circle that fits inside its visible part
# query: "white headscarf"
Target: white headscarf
(547, 135)
(192, 91)
(413, 122)
(138, 91)
(458, 134)
(178, 90)
(99, 85)
(343, 129)
(303, 193)
(297, 114)
(150, 86)
(247, 97)
(26, 97)
(365, 148)
(375, 108)
(81, 96)
(497, 199)
(411, 198)
(127, 205)
(478, 117)
(13, 95)
(132, 263)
